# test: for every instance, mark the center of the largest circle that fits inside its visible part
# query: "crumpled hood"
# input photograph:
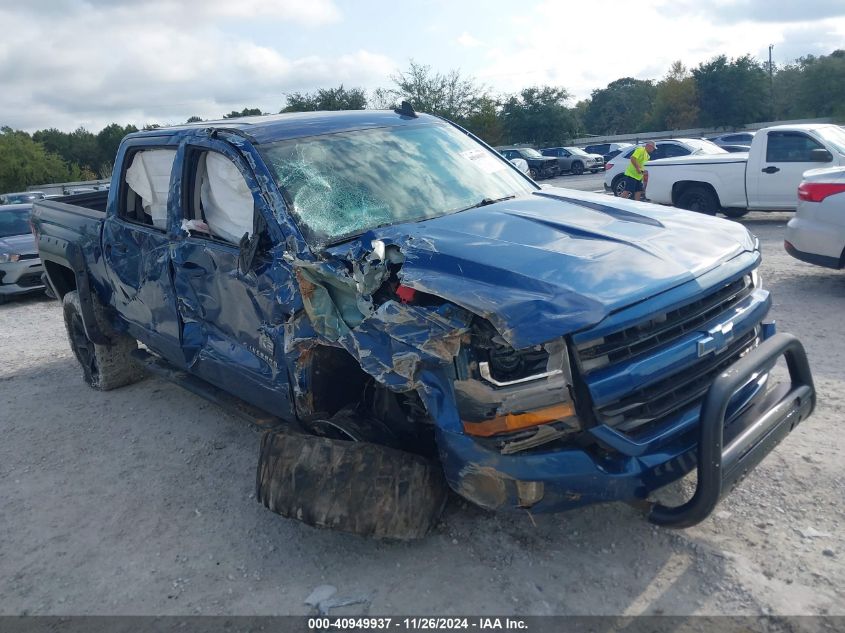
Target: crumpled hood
(21, 244)
(558, 260)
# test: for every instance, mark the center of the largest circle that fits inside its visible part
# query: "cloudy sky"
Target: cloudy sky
(66, 63)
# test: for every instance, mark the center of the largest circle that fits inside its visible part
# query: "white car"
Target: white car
(615, 169)
(817, 232)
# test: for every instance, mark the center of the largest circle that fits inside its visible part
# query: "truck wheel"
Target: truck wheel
(734, 212)
(104, 367)
(577, 168)
(699, 199)
(618, 185)
(357, 487)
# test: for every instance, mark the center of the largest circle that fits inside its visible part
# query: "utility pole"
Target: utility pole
(771, 84)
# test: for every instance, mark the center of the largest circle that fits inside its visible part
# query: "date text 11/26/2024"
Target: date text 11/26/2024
(416, 624)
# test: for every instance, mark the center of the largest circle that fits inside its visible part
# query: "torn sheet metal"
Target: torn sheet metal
(391, 341)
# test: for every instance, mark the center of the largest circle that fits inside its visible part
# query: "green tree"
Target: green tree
(732, 92)
(194, 119)
(108, 140)
(450, 95)
(623, 107)
(79, 146)
(485, 122)
(234, 114)
(339, 98)
(25, 162)
(579, 113)
(676, 101)
(822, 91)
(538, 115)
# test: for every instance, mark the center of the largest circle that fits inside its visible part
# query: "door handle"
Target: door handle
(771, 169)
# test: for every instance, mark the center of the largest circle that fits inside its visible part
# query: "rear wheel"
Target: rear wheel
(700, 199)
(618, 185)
(734, 212)
(104, 367)
(359, 487)
(577, 168)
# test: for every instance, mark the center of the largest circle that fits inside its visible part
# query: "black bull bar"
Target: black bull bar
(720, 467)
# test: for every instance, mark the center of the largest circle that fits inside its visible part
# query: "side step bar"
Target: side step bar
(226, 401)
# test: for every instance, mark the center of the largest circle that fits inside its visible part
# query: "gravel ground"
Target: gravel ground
(140, 501)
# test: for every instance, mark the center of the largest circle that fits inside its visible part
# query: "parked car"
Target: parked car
(765, 179)
(539, 166)
(736, 149)
(21, 197)
(533, 348)
(607, 150)
(521, 164)
(574, 159)
(20, 266)
(817, 232)
(734, 138)
(615, 169)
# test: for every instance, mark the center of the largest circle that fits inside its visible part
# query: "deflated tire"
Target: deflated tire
(104, 367)
(357, 487)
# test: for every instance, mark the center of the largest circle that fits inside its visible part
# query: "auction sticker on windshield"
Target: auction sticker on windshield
(485, 161)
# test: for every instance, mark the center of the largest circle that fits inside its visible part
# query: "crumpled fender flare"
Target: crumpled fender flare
(96, 327)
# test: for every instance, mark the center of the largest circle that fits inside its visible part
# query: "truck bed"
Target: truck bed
(77, 214)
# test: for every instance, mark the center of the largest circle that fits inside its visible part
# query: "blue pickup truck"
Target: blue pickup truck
(405, 312)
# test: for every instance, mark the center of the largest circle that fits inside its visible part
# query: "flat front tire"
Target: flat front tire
(358, 487)
(104, 367)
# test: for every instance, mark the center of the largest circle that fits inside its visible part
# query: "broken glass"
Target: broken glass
(344, 184)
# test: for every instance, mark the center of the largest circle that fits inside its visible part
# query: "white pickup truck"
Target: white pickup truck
(764, 179)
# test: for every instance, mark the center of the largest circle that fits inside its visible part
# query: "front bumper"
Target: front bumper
(21, 277)
(551, 480)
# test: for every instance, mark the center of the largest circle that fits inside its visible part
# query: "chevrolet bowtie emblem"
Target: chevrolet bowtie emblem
(717, 339)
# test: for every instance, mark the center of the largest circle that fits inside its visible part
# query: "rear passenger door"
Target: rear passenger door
(232, 319)
(136, 248)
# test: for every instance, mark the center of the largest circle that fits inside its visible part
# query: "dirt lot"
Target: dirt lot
(140, 501)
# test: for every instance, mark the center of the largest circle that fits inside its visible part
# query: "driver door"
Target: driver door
(232, 318)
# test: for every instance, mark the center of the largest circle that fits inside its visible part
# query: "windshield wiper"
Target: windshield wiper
(485, 201)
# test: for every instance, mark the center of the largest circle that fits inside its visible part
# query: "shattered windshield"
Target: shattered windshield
(341, 185)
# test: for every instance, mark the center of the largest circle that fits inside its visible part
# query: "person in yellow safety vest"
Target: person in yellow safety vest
(635, 172)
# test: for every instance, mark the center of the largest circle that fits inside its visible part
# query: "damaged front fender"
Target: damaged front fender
(404, 347)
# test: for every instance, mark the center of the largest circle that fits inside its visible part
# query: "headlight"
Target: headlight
(507, 391)
(9, 257)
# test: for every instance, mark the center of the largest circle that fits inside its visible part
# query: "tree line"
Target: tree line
(721, 93)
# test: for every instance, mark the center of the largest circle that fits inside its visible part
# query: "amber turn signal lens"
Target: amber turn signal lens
(517, 421)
